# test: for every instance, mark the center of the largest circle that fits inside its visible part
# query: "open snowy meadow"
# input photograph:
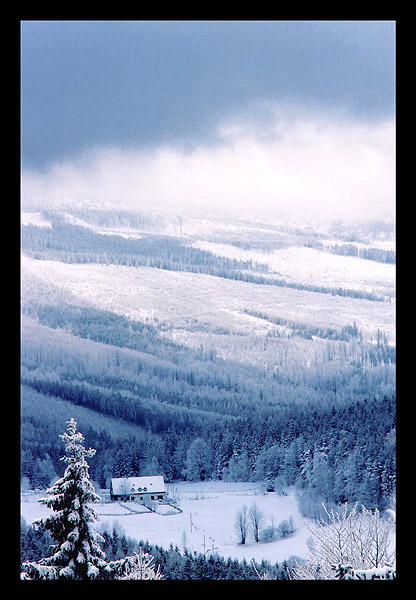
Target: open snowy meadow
(206, 523)
(162, 296)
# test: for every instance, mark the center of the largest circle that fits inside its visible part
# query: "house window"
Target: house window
(160, 497)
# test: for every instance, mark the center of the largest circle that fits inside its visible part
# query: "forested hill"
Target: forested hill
(74, 244)
(178, 360)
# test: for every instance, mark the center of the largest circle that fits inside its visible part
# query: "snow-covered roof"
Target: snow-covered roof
(134, 485)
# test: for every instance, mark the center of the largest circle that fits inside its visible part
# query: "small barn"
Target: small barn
(138, 489)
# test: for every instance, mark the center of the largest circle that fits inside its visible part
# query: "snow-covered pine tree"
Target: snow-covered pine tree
(77, 553)
(347, 572)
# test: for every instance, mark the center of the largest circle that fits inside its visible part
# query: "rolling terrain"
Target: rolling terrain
(207, 350)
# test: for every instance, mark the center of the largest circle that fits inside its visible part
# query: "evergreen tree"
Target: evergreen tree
(198, 461)
(77, 553)
(239, 468)
(34, 543)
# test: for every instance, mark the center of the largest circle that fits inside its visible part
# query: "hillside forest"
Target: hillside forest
(302, 403)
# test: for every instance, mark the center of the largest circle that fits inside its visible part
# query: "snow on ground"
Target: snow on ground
(186, 300)
(381, 244)
(34, 218)
(123, 232)
(211, 507)
(310, 266)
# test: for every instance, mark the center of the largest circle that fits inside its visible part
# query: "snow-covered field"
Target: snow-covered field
(309, 266)
(187, 300)
(211, 507)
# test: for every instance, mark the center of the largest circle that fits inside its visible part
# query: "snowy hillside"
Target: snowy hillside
(225, 355)
(164, 295)
(311, 266)
(181, 300)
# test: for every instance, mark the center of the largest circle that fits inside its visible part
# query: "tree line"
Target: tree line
(376, 254)
(327, 428)
(348, 544)
(175, 564)
(79, 244)
(75, 244)
(303, 448)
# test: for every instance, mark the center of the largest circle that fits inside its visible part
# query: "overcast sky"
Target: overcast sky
(243, 118)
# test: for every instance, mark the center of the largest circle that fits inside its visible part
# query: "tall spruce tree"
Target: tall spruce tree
(77, 553)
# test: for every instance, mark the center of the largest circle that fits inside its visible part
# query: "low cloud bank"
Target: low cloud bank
(286, 166)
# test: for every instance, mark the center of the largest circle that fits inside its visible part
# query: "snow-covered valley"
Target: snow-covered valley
(211, 507)
(196, 337)
(203, 520)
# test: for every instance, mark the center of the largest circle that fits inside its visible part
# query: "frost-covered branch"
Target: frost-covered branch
(359, 539)
(138, 566)
(347, 572)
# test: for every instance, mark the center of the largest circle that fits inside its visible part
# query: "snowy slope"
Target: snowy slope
(315, 267)
(34, 218)
(199, 309)
(183, 299)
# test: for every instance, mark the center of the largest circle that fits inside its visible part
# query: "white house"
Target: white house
(138, 489)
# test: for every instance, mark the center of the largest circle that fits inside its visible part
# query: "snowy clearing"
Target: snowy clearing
(309, 266)
(211, 507)
(184, 300)
(34, 218)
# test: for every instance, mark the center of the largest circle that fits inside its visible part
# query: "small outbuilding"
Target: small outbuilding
(138, 489)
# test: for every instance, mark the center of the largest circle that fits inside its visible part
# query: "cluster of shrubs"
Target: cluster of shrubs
(285, 529)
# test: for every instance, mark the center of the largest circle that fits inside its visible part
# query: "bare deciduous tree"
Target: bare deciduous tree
(256, 520)
(359, 539)
(241, 524)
